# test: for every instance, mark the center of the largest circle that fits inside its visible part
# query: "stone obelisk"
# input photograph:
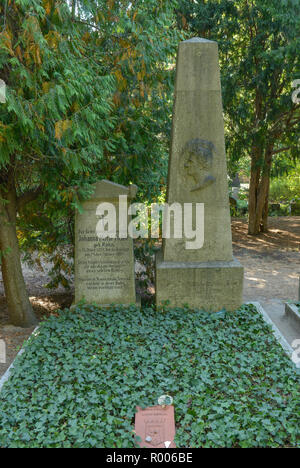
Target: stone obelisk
(208, 277)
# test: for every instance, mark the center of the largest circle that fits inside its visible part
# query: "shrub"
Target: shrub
(286, 188)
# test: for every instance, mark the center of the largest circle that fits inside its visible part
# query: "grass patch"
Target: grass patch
(83, 374)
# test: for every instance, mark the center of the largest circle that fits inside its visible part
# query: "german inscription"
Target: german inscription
(104, 267)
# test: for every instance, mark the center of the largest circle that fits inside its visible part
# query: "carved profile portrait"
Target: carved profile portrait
(197, 163)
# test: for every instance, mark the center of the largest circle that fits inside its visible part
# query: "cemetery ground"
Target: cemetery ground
(259, 409)
(83, 374)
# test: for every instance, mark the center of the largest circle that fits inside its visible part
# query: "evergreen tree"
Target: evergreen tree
(259, 44)
(88, 97)
(53, 127)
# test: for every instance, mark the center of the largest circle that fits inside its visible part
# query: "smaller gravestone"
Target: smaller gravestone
(274, 207)
(233, 201)
(236, 185)
(2, 352)
(295, 209)
(236, 181)
(155, 426)
(104, 267)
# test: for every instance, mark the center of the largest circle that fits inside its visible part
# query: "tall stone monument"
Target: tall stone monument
(104, 267)
(208, 277)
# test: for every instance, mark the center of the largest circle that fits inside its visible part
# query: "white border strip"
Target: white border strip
(6, 375)
(277, 333)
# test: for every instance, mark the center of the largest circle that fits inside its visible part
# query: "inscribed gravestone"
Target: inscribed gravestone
(104, 268)
(208, 277)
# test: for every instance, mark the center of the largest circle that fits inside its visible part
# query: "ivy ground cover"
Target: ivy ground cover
(83, 374)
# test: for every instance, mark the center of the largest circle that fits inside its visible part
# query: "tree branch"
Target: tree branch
(281, 150)
(28, 197)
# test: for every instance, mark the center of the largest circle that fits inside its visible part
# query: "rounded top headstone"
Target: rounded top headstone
(107, 189)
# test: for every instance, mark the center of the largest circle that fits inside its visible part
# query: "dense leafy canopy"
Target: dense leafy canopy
(56, 121)
(84, 372)
(286, 187)
(88, 97)
(259, 55)
(88, 93)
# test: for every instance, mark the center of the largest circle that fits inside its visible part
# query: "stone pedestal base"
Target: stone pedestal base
(210, 286)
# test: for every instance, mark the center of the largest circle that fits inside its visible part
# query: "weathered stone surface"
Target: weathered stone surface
(104, 268)
(198, 130)
(236, 182)
(210, 286)
(198, 174)
(155, 426)
(2, 352)
(293, 314)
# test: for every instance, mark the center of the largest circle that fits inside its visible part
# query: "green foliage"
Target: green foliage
(56, 123)
(144, 253)
(84, 372)
(138, 43)
(286, 187)
(57, 116)
(88, 97)
(240, 209)
(259, 55)
(283, 210)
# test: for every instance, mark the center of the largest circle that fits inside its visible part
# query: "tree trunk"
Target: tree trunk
(73, 9)
(265, 217)
(253, 192)
(258, 194)
(19, 307)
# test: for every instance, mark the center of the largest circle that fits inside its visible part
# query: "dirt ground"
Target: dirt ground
(271, 262)
(283, 236)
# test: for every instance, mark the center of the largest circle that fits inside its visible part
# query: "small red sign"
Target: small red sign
(155, 426)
